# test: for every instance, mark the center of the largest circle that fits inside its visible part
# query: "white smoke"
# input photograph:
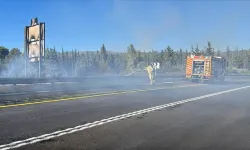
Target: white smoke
(161, 21)
(150, 22)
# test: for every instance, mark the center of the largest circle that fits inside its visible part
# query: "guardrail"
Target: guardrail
(240, 75)
(94, 79)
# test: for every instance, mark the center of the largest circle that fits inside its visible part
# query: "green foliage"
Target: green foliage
(51, 64)
(82, 63)
(197, 51)
(192, 49)
(218, 52)
(228, 53)
(103, 59)
(14, 53)
(3, 52)
(132, 59)
(209, 49)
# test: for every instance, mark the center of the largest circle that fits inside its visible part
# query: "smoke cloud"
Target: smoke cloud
(146, 21)
(181, 24)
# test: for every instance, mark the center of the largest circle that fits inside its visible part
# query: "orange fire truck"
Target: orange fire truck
(205, 68)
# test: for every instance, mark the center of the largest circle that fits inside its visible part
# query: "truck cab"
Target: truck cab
(205, 68)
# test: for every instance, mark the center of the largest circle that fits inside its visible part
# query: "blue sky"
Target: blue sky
(148, 24)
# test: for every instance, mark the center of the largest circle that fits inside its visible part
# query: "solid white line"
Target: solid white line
(164, 82)
(171, 82)
(105, 121)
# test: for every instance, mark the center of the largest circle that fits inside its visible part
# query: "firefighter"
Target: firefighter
(154, 69)
(150, 71)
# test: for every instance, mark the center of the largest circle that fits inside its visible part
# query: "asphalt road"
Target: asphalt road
(215, 122)
(21, 93)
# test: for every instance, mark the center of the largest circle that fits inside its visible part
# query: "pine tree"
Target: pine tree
(218, 52)
(209, 49)
(197, 50)
(103, 53)
(186, 53)
(103, 63)
(131, 58)
(170, 56)
(51, 64)
(228, 53)
(181, 57)
(192, 49)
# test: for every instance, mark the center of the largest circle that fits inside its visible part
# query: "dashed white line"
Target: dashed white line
(105, 121)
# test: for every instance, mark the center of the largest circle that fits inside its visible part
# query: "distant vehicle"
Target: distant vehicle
(205, 68)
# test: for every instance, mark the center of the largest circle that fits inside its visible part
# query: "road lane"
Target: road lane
(41, 98)
(219, 122)
(39, 92)
(24, 122)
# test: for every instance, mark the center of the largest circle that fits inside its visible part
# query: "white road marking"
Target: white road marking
(105, 121)
(166, 82)
(171, 82)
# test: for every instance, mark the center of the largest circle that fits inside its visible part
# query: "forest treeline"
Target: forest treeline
(61, 62)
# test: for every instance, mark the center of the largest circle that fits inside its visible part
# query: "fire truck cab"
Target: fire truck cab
(205, 68)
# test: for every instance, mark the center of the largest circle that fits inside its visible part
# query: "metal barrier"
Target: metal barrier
(94, 79)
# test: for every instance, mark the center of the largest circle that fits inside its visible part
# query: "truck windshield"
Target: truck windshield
(198, 67)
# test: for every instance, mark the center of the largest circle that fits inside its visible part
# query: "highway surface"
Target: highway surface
(180, 115)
